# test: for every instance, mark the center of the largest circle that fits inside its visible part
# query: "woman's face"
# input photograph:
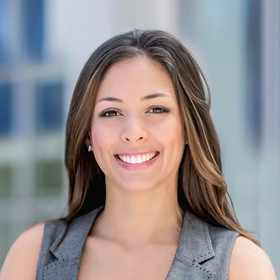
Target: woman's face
(136, 131)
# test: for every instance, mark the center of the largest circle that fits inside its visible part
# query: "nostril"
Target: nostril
(129, 139)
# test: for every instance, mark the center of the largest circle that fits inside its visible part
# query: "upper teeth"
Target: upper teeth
(137, 158)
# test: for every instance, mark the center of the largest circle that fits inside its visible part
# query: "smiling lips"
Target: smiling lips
(137, 159)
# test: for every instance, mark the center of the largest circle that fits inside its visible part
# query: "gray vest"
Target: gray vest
(203, 251)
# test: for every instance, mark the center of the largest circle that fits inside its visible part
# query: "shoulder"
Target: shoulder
(21, 261)
(249, 261)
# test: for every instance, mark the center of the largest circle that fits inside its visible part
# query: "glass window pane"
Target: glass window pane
(254, 71)
(48, 106)
(5, 181)
(33, 28)
(4, 32)
(5, 109)
(5, 243)
(48, 177)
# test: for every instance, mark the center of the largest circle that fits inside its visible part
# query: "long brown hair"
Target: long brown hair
(202, 189)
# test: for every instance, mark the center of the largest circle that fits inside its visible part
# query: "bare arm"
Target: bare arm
(21, 261)
(249, 262)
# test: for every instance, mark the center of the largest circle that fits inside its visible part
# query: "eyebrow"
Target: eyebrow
(155, 95)
(147, 97)
(110, 99)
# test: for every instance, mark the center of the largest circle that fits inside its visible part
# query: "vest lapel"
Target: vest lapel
(67, 253)
(194, 248)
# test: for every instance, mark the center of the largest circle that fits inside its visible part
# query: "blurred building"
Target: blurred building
(43, 46)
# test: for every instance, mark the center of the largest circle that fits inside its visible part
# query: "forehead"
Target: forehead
(138, 75)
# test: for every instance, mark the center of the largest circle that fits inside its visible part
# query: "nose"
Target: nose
(134, 130)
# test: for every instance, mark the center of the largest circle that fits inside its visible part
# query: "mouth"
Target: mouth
(137, 158)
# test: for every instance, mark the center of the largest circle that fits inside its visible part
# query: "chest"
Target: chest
(106, 260)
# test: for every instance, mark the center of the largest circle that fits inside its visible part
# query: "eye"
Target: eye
(109, 113)
(158, 110)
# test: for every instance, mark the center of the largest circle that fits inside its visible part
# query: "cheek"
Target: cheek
(177, 141)
(172, 132)
(98, 135)
(178, 137)
(97, 144)
(102, 141)
(180, 132)
(98, 141)
(95, 135)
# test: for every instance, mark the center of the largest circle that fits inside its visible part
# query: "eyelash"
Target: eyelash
(115, 113)
(158, 110)
(109, 113)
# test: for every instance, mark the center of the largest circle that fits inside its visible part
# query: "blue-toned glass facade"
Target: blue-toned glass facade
(48, 106)
(33, 28)
(32, 117)
(253, 64)
(4, 32)
(5, 109)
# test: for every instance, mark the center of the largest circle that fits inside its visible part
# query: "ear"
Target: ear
(88, 140)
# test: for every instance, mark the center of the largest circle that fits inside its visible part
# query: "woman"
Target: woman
(147, 199)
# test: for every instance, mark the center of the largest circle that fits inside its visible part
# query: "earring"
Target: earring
(89, 148)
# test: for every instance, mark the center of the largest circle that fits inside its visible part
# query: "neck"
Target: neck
(139, 218)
